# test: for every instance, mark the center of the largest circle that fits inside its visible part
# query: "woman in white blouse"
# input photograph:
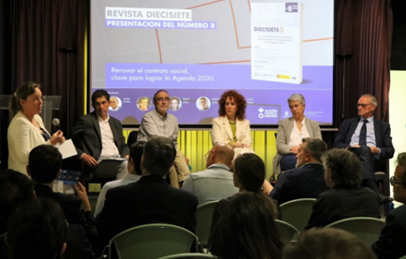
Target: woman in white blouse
(291, 131)
(231, 127)
(26, 129)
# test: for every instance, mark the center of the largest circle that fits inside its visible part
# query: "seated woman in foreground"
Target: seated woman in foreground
(231, 127)
(248, 176)
(247, 229)
(346, 199)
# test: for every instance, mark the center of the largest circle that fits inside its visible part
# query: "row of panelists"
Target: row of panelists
(99, 136)
(144, 103)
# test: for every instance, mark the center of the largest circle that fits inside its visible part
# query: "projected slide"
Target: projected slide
(198, 49)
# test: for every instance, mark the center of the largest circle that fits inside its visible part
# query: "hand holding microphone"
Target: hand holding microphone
(57, 137)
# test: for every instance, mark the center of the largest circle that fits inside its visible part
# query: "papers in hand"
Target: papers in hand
(67, 149)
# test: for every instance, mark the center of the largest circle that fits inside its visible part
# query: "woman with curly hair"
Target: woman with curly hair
(231, 127)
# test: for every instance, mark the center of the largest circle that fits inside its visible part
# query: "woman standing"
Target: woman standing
(231, 127)
(26, 129)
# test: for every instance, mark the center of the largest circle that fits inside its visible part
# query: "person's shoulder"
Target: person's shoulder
(19, 118)
(399, 212)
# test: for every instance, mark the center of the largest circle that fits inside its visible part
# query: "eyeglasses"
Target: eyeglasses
(363, 105)
(393, 182)
(161, 99)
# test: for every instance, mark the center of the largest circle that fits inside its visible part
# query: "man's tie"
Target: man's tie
(363, 134)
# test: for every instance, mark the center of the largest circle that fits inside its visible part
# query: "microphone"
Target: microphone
(56, 123)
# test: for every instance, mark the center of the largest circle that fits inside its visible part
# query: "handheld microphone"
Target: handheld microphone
(56, 123)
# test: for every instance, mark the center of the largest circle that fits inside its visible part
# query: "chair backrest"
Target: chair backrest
(297, 212)
(188, 256)
(403, 257)
(204, 216)
(288, 233)
(152, 241)
(366, 228)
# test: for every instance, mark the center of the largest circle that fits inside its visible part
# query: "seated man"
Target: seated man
(307, 180)
(216, 182)
(37, 230)
(369, 139)
(160, 123)
(134, 174)
(345, 199)
(151, 199)
(98, 136)
(44, 166)
(390, 244)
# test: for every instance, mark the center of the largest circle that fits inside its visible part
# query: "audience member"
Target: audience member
(98, 136)
(216, 182)
(290, 134)
(307, 180)
(247, 229)
(369, 139)
(151, 199)
(160, 123)
(44, 167)
(390, 244)
(37, 229)
(328, 243)
(342, 173)
(248, 176)
(134, 174)
(26, 129)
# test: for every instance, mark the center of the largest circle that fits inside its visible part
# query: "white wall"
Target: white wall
(397, 115)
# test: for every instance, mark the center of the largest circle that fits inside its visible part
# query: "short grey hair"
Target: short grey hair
(317, 147)
(297, 98)
(374, 102)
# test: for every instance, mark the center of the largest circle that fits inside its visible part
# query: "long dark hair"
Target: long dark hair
(247, 229)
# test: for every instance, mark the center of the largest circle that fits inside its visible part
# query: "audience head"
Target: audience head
(15, 189)
(161, 101)
(238, 104)
(134, 161)
(311, 150)
(159, 155)
(247, 229)
(249, 172)
(398, 180)
(330, 243)
(343, 168)
(44, 164)
(27, 98)
(366, 105)
(297, 106)
(101, 103)
(37, 229)
(220, 153)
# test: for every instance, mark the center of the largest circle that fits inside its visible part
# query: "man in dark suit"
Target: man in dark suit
(44, 166)
(391, 242)
(369, 139)
(98, 135)
(307, 179)
(151, 199)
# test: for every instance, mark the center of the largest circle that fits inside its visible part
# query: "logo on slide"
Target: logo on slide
(261, 114)
(291, 7)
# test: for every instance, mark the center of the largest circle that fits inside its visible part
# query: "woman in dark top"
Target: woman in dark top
(248, 176)
(247, 229)
(346, 198)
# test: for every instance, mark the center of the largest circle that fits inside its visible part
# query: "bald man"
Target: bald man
(216, 182)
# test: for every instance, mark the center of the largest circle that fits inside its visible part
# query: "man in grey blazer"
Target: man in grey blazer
(98, 136)
(291, 131)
